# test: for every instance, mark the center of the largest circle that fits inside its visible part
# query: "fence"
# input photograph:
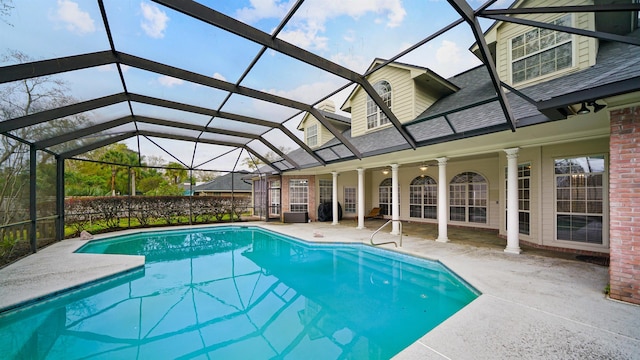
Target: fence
(109, 212)
(15, 238)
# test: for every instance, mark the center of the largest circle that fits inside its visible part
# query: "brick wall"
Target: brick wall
(624, 199)
(312, 194)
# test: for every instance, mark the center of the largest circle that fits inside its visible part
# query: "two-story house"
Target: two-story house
(562, 180)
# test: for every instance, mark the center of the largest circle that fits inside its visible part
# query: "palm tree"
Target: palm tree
(175, 172)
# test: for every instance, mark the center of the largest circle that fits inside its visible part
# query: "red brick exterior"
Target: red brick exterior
(624, 199)
(313, 208)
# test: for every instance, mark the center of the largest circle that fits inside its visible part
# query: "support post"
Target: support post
(33, 214)
(443, 200)
(513, 240)
(360, 198)
(233, 195)
(59, 198)
(334, 198)
(395, 200)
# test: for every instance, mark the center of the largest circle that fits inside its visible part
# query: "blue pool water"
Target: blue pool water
(240, 293)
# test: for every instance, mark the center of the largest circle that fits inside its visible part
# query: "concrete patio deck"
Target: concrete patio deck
(536, 305)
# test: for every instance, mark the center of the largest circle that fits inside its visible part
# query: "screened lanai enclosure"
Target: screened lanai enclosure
(213, 88)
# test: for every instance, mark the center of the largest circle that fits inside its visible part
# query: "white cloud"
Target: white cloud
(169, 81)
(307, 93)
(353, 62)
(219, 76)
(349, 36)
(263, 9)
(448, 52)
(113, 68)
(306, 28)
(306, 39)
(154, 21)
(451, 59)
(74, 18)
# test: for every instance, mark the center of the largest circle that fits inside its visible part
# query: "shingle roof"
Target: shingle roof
(615, 62)
(336, 117)
(223, 184)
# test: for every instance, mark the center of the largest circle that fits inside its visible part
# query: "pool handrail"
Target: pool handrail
(387, 242)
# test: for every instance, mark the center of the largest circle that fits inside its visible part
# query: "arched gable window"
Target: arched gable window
(375, 116)
(423, 198)
(468, 194)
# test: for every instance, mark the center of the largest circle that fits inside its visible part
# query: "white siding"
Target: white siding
(324, 135)
(584, 47)
(423, 99)
(402, 95)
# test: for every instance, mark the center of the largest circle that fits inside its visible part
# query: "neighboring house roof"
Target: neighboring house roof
(223, 184)
(453, 117)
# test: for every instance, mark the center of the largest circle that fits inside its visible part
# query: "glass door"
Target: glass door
(274, 198)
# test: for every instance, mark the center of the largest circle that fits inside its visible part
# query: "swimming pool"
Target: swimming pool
(241, 292)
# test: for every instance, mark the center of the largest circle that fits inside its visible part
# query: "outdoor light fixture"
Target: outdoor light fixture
(584, 110)
(424, 167)
(596, 107)
(385, 171)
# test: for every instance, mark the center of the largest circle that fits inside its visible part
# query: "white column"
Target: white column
(360, 198)
(395, 200)
(443, 200)
(335, 198)
(513, 237)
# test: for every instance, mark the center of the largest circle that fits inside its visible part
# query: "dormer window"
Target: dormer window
(312, 135)
(540, 52)
(375, 116)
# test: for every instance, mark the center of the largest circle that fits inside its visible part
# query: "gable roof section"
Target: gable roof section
(418, 73)
(337, 119)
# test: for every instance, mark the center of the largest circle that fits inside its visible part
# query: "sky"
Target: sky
(351, 33)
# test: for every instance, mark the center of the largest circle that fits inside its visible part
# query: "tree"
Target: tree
(253, 163)
(5, 9)
(17, 99)
(204, 175)
(122, 155)
(175, 172)
(21, 98)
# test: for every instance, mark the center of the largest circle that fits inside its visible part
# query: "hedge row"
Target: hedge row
(80, 212)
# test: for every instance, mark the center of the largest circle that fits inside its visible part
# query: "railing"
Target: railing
(388, 242)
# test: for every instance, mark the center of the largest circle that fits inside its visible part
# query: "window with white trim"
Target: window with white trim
(312, 135)
(298, 195)
(375, 116)
(350, 199)
(540, 52)
(579, 198)
(524, 197)
(423, 198)
(468, 198)
(325, 188)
